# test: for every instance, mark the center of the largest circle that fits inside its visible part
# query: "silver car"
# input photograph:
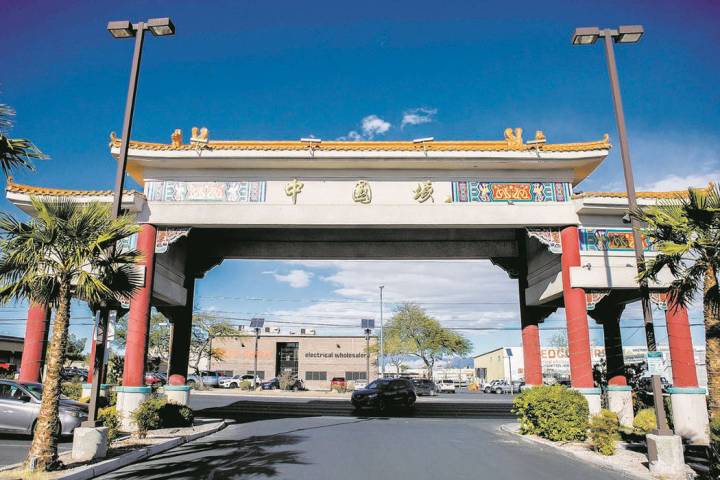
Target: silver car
(20, 404)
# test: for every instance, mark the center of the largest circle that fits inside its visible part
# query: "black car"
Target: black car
(385, 393)
(274, 384)
(424, 386)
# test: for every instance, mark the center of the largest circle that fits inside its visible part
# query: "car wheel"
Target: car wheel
(498, 391)
(295, 389)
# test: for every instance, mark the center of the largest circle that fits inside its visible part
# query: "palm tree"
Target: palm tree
(15, 152)
(686, 232)
(66, 251)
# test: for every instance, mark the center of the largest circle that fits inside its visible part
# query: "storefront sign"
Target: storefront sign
(334, 355)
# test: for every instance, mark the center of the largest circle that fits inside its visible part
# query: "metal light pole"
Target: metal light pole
(629, 34)
(121, 29)
(509, 355)
(257, 324)
(367, 344)
(382, 344)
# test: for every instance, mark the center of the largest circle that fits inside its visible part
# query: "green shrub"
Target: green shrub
(110, 418)
(604, 431)
(112, 397)
(553, 412)
(72, 390)
(157, 412)
(645, 421)
(246, 385)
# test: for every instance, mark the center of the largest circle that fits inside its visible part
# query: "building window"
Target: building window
(352, 376)
(315, 375)
(260, 374)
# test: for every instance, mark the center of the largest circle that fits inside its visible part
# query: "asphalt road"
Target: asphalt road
(334, 448)
(14, 448)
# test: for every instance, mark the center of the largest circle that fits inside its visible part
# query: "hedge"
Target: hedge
(553, 412)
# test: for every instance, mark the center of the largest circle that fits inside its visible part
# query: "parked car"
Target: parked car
(72, 373)
(462, 383)
(274, 384)
(360, 384)
(20, 405)
(424, 387)
(236, 380)
(489, 387)
(155, 378)
(385, 393)
(209, 379)
(338, 383)
(644, 384)
(504, 387)
(445, 386)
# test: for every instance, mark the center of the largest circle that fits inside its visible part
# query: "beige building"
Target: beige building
(313, 358)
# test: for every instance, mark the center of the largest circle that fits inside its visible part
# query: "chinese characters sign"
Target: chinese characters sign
(486, 192)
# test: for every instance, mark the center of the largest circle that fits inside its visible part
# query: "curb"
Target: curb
(506, 427)
(101, 468)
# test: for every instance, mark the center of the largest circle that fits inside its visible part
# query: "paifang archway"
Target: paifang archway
(507, 200)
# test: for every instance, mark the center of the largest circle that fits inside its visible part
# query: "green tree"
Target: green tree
(15, 152)
(158, 338)
(686, 232)
(204, 330)
(75, 349)
(64, 252)
(415, 333)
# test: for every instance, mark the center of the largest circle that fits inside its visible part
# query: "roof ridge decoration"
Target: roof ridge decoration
(512, 141)
(650, 195)
(13, 187)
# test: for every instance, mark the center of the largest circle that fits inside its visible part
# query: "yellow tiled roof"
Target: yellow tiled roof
(651, 195)
(13, 187)
(438, 146)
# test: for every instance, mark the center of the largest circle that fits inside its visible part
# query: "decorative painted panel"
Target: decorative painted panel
(486, 192)
(609, 239)
(166, 236)
(550, 237)
(231, 192)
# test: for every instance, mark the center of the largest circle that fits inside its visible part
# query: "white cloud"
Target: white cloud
(680, 182)
(370, 127)
(373, 125)
(295, 278)
(417, 116)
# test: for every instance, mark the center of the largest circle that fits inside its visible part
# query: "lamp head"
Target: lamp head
(121, 29)
(161, 27)
(585, 35)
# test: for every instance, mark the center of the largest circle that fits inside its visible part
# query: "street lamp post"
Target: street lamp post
(367, 324)
(629, 34)
(159, 27)
(257, 324)
(381, 359)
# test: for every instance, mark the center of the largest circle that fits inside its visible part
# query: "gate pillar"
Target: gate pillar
(689, 406)
(619, 394)
(36, 336)
(180, 337)
(133, 390)
(578, 332)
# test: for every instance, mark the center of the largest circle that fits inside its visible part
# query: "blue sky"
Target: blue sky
(285, 70)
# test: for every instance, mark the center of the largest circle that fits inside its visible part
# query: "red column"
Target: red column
(139, 317)
(575, 313)
(180, 340)
(682, 356)
(614, 352)
(92, 358)
(36, 335)
(531, 352)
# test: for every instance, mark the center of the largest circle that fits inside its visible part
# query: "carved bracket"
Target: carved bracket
(166, 236)
(660, 300)
(550, 237)
(592, 298)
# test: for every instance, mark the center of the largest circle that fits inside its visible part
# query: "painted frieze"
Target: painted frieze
(468, 191)
(609, 239)
(231, 192)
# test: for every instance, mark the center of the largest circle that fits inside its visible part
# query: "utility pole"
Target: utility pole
(381, 358)
(257, 324)
(367, 343)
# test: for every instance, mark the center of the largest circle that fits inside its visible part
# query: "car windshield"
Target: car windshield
(378, 385)
(35, 390)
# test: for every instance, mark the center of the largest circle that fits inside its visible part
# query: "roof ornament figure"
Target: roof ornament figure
(176, 138)
(199, 138)
(113, 139)
(513, 139)
(540, 136)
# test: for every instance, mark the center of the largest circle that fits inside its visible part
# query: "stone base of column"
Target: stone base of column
(592, 395)
(690, 414)
(128, 400)
(666, 456)
(87, 389)
(178, 393)
(620, 402)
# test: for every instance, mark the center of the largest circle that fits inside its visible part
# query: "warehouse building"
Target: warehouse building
(315, 359)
